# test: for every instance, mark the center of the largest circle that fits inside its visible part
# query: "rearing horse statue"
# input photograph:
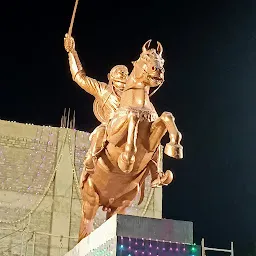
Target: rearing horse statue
(133, 135)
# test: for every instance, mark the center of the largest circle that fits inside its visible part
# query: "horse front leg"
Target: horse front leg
(166, 122)
(126, 159)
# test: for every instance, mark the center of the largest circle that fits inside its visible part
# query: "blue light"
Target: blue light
(121, 246)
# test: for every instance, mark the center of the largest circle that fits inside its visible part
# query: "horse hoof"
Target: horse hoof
(167, 178)
(175, 151)
(124, 164)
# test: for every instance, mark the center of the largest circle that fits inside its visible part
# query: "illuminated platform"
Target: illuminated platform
(125, 235)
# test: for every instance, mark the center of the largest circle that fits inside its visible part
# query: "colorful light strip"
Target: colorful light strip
(127, 246)
(139, 246)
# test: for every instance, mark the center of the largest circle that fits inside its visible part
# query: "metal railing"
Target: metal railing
(204, 249)
(28, 242)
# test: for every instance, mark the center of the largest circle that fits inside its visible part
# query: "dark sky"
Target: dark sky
(210, 53)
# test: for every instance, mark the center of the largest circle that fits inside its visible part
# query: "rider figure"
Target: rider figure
(117, 79)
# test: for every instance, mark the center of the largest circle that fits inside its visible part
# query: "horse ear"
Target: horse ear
(145, 47)
(159, 48)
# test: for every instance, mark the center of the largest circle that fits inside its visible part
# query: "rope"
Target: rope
(72, 19)
(152, 93)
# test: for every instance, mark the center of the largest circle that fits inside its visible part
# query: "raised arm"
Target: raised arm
(90, 85)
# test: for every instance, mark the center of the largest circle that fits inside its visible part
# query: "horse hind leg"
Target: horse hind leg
(126, 159)
(166, 122)
(90, 205)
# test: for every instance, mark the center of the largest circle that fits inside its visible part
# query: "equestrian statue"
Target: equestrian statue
(125, 146)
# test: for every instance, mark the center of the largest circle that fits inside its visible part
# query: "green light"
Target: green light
(193, 249)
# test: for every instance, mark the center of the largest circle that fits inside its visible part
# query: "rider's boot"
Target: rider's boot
(98, 140)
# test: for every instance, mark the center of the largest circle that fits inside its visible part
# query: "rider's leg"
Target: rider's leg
(117, 129)
(98, 139)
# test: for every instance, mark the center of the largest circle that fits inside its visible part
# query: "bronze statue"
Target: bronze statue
(125, 147)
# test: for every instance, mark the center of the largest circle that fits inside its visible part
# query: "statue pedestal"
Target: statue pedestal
(125, 235)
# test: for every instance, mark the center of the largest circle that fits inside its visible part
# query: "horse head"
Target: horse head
(149, 68)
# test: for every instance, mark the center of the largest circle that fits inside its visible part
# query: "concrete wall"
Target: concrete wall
(39, 169)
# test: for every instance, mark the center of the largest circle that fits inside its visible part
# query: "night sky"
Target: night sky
(210, 53)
